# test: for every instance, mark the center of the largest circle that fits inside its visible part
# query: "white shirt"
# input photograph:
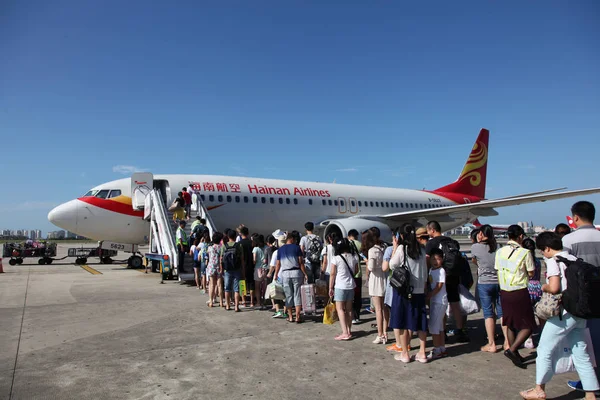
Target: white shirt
(343, 279)
(555, 268)
(418, 269)
(274, 259)
(328, 250)
(438, 275)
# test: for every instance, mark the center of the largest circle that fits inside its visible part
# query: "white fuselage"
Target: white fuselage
(263, 205)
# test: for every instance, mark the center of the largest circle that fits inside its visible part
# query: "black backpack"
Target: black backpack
(231, 258)
(582, 297)
(198, 231)
(454, 262)
(313, 252)
(400, 279)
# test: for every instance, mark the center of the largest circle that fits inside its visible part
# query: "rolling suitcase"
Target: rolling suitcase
(309, 304)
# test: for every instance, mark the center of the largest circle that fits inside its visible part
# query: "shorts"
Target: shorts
(452, 283)
(343, 295)
(291, 287)
(489, 295)
(437, 312)
(179, 213)
(232, 281)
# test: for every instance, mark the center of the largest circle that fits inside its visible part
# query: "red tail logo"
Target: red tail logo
(472, 179)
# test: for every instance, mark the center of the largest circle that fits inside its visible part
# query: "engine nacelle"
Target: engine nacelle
(341, 227)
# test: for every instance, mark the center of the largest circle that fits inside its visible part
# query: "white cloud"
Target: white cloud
(126, 169)
(28, 206)
(347, 170)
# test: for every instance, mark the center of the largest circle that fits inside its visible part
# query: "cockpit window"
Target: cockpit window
(91, 193)
(102, 194)
(114, 193)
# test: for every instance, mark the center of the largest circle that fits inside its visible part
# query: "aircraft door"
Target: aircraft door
(141, 186)
(342, 205)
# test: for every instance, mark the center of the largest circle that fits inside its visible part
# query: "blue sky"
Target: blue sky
(377, 93)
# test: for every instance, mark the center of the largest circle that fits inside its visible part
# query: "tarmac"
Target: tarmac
(69, 333)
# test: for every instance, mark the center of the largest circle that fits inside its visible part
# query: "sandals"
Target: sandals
(489, 348)
(422, 360)
(343, 337)
(533, 393)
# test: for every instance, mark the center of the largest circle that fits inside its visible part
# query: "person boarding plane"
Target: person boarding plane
(108, 213)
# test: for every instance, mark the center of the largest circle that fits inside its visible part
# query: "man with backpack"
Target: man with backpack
(311, 247)
(584, 243)
(231, 268)
(454, 264)
(198, 228)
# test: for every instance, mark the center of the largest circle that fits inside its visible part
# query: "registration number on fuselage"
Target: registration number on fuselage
(130, 248)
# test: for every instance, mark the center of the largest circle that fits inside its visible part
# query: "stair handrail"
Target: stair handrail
(165, 232)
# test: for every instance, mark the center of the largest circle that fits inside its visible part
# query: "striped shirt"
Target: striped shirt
(584, 243)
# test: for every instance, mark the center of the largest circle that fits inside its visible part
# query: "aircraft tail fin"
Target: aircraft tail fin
(571, 222)
(472, 179)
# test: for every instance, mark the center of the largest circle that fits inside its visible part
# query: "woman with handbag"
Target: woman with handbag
(408, 309)
(341, 285)
(563, 329)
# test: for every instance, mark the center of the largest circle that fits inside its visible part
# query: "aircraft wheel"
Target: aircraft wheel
(12, 262)
(49, 261)
(19, 261)
(135, 262)
(41, 261)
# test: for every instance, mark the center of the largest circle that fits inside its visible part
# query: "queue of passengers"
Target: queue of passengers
(509, 286)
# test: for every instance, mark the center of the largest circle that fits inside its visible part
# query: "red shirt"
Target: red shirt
(187, 197)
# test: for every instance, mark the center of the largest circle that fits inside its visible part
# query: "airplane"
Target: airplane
(572, 225)
(107, 212)
(496, 228)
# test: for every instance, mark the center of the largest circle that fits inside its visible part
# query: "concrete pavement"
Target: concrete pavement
(122, 335)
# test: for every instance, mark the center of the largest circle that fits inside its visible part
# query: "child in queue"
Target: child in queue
(438, 303)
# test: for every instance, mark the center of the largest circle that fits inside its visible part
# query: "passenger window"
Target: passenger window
(397, 206)
(335, 203)
(387, 204)
(220, 198)
(376, 204)
(324, 202)
(114, 193)
(281, 200)
(203, 197)
(287, 201)
(102, 194)
(237, 199)
(245, 199)
(229, 199)
(211, 198)
(330, 202)
(263, 200)
(272, 200)
(255, 199)
(296, 201)
(309, 201)
(353, 203)
(360, 203)
(371, 204)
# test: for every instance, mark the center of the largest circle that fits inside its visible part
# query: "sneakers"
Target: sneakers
(278, 314)
(396, 348)
(529, 344)
(379, 340)
(370, 310)
(576, 385)
(436, 354)
(355, 321)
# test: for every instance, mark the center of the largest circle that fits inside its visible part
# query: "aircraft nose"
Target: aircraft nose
(65, 215)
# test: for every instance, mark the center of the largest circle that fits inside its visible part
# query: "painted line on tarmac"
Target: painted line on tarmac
(91, 270)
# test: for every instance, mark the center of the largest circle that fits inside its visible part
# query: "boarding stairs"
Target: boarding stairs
(163, 231)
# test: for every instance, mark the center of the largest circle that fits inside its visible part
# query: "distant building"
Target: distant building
(6, 232)
(71, 235)
(38, 234)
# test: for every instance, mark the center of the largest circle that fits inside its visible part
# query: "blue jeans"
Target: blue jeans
(572, 329)
(489, 294)
(232, 281)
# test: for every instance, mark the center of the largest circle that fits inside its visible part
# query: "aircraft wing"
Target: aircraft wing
(483, 208)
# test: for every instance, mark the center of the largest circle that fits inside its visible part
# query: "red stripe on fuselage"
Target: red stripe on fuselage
(114, 206)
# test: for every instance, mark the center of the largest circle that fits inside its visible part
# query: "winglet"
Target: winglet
(472, 179)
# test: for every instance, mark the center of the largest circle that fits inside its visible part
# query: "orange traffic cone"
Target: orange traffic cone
(1, 269)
